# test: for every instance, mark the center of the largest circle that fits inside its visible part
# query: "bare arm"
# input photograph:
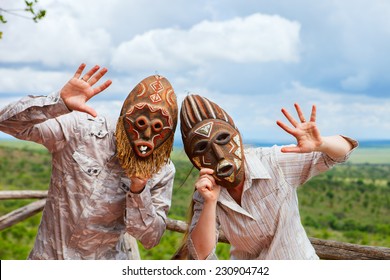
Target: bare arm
(203, 235)
(335, 146)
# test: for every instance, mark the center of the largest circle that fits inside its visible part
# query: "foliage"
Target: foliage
(350, 203)
(29, 9)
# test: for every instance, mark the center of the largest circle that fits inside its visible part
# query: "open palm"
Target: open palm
(77, 91)
(307, 134)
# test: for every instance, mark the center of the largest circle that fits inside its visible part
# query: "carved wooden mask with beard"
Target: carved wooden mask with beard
(146, 127)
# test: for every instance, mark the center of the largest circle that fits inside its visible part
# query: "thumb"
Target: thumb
(88, 110)
(294, 149)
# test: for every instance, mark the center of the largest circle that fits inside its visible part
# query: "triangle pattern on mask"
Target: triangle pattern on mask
(205, 130)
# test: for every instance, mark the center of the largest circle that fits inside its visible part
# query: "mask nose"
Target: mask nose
(147, 132)
(219, 155)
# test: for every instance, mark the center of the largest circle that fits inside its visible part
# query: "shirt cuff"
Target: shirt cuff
(142, 202)
(56, 98)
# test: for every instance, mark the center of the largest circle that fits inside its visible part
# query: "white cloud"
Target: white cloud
(253, 39)
(61, 38)
(27, 80)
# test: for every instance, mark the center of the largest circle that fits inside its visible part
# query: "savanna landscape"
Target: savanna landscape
(350, 203)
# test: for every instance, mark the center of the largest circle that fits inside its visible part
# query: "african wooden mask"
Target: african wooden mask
(146, 126)
(211, 140)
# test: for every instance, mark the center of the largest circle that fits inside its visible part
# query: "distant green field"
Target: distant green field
(371, 155)
(21, 144)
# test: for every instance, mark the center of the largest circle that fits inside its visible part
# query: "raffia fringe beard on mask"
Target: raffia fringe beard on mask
(135, 166)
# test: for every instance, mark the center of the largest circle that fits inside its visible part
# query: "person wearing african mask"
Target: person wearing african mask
(108, 179)
(251, 194)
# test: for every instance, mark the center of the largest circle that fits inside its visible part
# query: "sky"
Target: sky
(252, 58)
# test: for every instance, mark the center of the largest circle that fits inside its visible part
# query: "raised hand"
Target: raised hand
(307, 134)
(77, 91)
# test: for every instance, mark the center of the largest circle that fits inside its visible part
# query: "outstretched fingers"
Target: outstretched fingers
(285, 127)
(300, 113)
(89, 110)
(102, 87)
(96, 77)
(79, 70)
(91, 76)
(313, 113)
(292, 149)
(87, 76)
(289, 117)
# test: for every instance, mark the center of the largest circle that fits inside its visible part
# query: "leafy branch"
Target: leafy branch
(29, 9)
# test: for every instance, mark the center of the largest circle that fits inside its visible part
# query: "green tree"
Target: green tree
(29, 9)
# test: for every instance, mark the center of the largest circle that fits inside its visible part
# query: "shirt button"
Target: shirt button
(89, 170)
(95, 171)
(125, 187)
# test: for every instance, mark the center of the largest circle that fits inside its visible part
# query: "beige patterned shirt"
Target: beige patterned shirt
(267, 225)
(89, 205)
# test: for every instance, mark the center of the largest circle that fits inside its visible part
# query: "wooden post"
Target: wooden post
(334, 250)
(22, 194)
(21, 214)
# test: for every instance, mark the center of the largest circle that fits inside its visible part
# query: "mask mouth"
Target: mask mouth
(224, 169)
(143, 149)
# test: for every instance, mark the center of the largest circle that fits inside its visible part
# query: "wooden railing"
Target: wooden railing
(325, 249)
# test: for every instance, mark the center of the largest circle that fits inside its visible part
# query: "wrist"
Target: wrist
(210, 202)
(322, 145)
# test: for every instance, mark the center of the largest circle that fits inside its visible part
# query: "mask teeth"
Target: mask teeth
(143, 149)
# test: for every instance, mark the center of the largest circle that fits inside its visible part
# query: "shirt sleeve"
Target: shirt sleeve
(33, 118)
(298, 168)
(198, 206)
(146, 212)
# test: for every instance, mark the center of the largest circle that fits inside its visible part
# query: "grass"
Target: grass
(371, 155)
(23, 145)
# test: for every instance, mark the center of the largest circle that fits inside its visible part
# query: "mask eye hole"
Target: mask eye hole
(141, 122)
(201, 146)
(222, 138)
(157, 125)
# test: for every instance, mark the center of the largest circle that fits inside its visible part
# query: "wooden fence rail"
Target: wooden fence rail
(325, 249)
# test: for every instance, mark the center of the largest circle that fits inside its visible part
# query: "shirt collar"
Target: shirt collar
(254, 169)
